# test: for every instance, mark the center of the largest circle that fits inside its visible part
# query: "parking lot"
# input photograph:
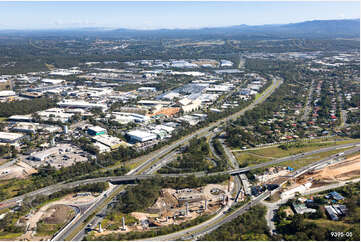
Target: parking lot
(62, 155)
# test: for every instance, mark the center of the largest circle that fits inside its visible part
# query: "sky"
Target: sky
(154, 15)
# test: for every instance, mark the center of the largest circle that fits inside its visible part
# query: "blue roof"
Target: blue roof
(336, 196)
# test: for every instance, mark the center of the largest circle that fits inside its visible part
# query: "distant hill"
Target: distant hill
(349, 28)
(309, 29)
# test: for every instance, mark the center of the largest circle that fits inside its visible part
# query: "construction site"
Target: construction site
(18, 170)
(175, 207)
(338, 170)
(42, 223)
(341, 171)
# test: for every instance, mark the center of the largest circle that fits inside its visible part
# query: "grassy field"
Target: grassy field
(296, 164)
(252, 157)
(114, 220)
(3, 119)
(329, 224)
(9, 236)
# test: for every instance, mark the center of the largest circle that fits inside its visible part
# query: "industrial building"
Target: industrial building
(96, 130)
(10, 138)
(20, 118)
(147, 89)
(335, 211)
(107, 140)
(125, 118)
(81, 104)
(42, 155)
(7, 93)
(56, 114)
(141, 136)
(52, 81)
(300, 208)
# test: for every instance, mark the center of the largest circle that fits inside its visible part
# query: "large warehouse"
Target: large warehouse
(96, 130)
(10, 138)
(141, 136)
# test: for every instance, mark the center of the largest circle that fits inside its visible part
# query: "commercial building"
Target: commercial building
(7, 93)
(25, 127)
(219, 89)
(147, 89)
(191, 120)
(42, 155)
(335, 211)
(101, 147)
(300, 208)
(336, 196)
(56, 114)
(96, 130)
(193, 106)
(141, 136)
(81, 104)
(20, 118)
(153, 103)
(107, 140)
(52, 81)
(226, 63)
(125, 118)
(11, 138)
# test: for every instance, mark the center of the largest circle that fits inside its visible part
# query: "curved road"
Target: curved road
(57, 187)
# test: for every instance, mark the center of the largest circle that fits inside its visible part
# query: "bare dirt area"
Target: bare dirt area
(174, 207)
(20, 170)
(58, 214)
(52, 215)
(342, 171)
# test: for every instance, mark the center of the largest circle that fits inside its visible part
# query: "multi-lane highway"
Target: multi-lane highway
(159, 153)
(77, 221)
(156, 158)
(221, 218)
(163, 151)
(128, 178)
(217, 221)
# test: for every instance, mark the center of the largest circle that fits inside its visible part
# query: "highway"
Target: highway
(129, 178)
(156, 154)
(163, 151)
(167, 158)
(68, 230)
(221, 218)
(293, 157)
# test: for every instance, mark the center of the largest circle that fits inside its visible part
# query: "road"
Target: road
(343, 118)
(307, 108)
(92, 224)
(71, 227)
(273, 207)
(211, 225)
(170, 148)
(163, 151)
(208, 224)
(127, 178)
(233, 161)
(293, 157)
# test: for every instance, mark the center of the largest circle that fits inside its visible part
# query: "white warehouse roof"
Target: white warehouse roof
(141, 136)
